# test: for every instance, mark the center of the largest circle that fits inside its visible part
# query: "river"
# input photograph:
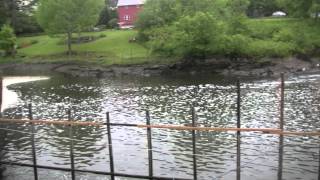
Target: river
(169, 100)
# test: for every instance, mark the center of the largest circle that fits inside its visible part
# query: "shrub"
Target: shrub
(113, 23)
(102, 36)
(284, 35)
(234, 45)
(8, 40)
(269, 48)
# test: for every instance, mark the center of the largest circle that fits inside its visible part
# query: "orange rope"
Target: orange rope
(172, 127)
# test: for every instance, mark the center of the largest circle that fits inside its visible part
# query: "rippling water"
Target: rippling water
(169, 101)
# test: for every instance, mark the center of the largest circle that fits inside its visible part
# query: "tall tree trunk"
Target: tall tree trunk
(69, 43)
(13, 14)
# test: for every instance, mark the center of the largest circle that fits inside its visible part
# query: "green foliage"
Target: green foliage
(113, 23)
(191, 36)
(300, 9)
(68, 16)
(269, 48)
(235, 45)
(197, 35)
(107, 14)
(19, 15)
(8, 40)
(62, 16)
(262, 8)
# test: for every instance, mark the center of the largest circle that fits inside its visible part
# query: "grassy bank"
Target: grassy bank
(266, 37)
(110, 47)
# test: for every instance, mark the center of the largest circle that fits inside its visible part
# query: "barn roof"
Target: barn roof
(130, 2)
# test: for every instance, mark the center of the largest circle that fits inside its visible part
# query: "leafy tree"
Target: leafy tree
(262, 8)
(13, 11)
(8, 40)
(301, 9)
(193, 36)
(107, 14)
(68, 16)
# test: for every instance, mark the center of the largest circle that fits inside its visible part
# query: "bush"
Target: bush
(113, 23)
(195, 36)
(234, 45)
(8, 40)
(269, 48)
(102, 36)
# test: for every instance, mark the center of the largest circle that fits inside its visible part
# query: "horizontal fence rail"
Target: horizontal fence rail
(170, 127)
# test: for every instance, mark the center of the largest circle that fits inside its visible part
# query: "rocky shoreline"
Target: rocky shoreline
(267, 67)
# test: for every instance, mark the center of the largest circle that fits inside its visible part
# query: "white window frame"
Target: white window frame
(127, 17)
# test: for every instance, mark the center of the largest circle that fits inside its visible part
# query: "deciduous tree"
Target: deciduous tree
(68, 16)
(8, 40)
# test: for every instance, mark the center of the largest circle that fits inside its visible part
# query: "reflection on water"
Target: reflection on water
(169, 101)
(9, 97)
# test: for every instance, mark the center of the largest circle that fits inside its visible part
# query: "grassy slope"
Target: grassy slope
(115, 48)
(284, 36)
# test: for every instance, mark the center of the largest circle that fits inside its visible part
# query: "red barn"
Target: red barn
(128, 11)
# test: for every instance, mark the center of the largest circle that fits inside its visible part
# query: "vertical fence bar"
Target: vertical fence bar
(110, 146)
(238, 132)
(194, 147)
(319, 163)
(73, 175)
(34, 154)
(1, 91)
(280, 166)
(149, 136)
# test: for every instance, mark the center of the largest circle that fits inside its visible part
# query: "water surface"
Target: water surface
(169, 101)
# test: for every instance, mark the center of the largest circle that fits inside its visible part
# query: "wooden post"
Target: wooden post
(34, 154)
(280, 165)
(194, 148)
(238, 132)
(110, 146)
(73, 175)
(150, 155)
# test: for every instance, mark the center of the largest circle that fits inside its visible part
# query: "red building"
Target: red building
(128, 11)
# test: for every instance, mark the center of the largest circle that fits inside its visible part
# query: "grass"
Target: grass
(275, 37)
(283, 36)
(112, 48)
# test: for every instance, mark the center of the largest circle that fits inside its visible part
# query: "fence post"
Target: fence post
(73, 176)
(149, 136)
(280, 166)
(238, 132)
(110, 146)
(319, 164)
(34, 154)
(1, 91)
(194, 148)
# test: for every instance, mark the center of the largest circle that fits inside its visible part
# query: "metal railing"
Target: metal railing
(193, 128)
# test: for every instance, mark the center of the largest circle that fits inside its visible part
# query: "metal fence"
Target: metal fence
(193, 128)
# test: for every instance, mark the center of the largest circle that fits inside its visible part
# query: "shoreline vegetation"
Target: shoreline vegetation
(100, 53)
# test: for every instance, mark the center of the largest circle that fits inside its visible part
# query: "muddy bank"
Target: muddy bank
(267, 67)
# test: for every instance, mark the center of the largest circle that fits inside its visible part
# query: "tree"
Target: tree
(68, 16)
(8, 40)
(262, 8)
(19, 15)
(301, 9)
(107, 14)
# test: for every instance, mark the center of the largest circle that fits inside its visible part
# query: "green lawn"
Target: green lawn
(275, 37)
(114, 48)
